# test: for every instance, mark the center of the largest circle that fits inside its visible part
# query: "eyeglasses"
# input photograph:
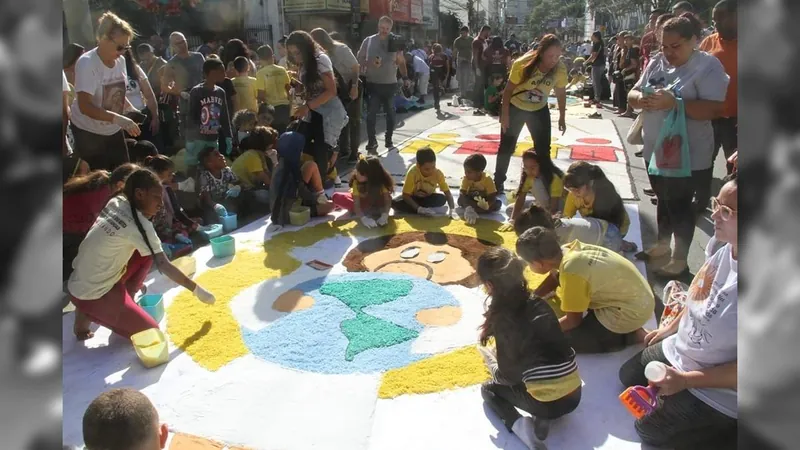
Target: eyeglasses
(120, 48)
(725, 212)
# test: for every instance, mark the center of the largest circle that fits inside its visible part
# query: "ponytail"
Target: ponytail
(140, 179)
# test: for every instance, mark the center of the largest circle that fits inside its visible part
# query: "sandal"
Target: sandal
(655, 252)
(628, 247)
(675, 268)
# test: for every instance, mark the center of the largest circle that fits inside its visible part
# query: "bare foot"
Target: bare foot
(81, 327)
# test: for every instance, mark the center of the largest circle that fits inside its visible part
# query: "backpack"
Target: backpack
(342, 88)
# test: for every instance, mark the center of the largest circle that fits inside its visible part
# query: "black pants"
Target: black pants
(380, 95)
(504, 401)
(437, 79)
(315, 144)
(281, 118)
(592, 337)
(434, 200)
(350, 138)
(480, 87)
(681, 421)
(674, 212)
(99, 151)
(621, 90)
(538, 123)
(726, 134)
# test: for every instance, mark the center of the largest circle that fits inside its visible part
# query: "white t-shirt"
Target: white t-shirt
(107, 87)
(104, 253)
(134, 90)
(707, 331)
(65, 83)
(420, 66)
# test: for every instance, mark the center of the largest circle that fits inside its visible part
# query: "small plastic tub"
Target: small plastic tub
(223, 246)
(151, 347)
(212, 231)
(186, 264)
(154, 305)
(229, 222)
(299, 215)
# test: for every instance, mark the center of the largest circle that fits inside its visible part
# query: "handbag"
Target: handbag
(634, 136)
(671, 156)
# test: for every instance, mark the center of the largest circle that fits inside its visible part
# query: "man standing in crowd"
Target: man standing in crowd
(382, 55)
(648, 43)
(282, 59)
(682, 7)
(512, 44)
(183, 72)
(152, 65)
(479, 45)
(723, 45)
(462, 48)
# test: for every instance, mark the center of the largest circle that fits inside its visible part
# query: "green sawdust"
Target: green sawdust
(366, 332)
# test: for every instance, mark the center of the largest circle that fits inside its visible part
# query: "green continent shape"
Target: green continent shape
(365, 332)
(358, 294)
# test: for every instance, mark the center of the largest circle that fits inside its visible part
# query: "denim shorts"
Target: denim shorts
(613, 238)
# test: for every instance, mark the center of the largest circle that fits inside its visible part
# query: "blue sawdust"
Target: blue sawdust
(314, 339)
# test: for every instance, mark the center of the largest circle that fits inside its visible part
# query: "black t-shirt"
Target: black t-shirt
(601, 54)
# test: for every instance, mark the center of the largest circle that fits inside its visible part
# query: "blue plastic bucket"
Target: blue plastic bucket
(223, 246)
(154, 305)
(229, 222)
(212, 231)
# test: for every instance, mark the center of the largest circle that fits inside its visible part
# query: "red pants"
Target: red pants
(116, 310)
(345, 200)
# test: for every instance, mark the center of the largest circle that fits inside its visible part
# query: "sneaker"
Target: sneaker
(649, 192)
(638, 154)
(541, 428)
(389, 143)
(372, 146)
(337, 182)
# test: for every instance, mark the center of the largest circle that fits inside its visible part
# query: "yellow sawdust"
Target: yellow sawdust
(461, 368)
(523, 146)
(435, 144)
(211, 336)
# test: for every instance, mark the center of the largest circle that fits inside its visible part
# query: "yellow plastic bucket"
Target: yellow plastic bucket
(151, 347)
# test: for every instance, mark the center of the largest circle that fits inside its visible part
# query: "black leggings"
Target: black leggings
(592, 337)
(674, 212)
(504, 401)
(315, 144)
(538, 123)
(681, 421)
(434, 200)
(437, 79)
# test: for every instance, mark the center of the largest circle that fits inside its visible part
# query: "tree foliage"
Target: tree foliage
(547, 11)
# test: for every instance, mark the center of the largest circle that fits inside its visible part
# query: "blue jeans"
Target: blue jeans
(613, 238)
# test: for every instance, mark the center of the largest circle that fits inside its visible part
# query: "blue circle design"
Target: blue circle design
(364, 332)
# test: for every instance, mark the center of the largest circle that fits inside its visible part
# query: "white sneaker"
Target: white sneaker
(525, 430)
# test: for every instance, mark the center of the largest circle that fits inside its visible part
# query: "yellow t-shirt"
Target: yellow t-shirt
(305, 157)
(247, 165)
(416, 184)
(532, 94)
(246, 94)
(556, 186)
(574, 205)
(273, 80)
(593, 277)
(483, 187)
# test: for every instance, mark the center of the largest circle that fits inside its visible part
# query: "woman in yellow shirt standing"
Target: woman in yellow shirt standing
(592, 195)
(605, 299)
(525, 103)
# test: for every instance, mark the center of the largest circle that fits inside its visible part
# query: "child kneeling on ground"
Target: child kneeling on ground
(602, 284)
(218, 186)
(123, 419)
(115, 258)
(478, 194)
(371, 193)
(533, 366)
(255, 166)
(586, 230)
(419, 188)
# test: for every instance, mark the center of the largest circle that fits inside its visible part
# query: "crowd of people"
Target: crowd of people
(155, 150)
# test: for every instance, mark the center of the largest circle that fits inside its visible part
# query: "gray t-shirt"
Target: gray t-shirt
(707, 331)
(373, 48)
(343, 61)
(188, 71)
(702, 78)
(587, 230)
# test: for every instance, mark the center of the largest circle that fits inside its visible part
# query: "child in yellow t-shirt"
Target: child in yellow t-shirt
(592, 195)
(254, 167)
(419, 187)
(543, 180)
(370, 197)
(245, 85)
(592, 279)
(478, 193)
(273, 84)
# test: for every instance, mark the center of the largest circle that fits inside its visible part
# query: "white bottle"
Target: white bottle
(655, 371)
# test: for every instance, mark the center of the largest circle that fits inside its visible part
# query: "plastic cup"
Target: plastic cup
(655, 371)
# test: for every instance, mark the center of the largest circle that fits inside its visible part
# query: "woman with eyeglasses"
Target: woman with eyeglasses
(101, 79)
(698, 395)
(699, 79)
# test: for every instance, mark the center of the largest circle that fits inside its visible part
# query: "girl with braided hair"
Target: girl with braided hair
(116, 256)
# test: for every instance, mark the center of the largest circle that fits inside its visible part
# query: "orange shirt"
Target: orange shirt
(725, 51)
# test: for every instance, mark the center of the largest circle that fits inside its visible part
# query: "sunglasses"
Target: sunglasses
(120, 48)
(725, 212)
